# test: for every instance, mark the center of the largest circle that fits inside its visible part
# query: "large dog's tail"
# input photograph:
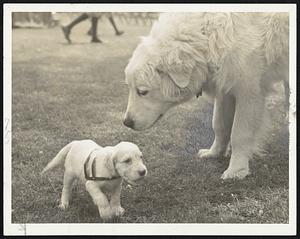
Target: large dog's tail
(276, 35)
(59, 159)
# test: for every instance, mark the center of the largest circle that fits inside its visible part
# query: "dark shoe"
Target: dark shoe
(96, 40)
(119, 33)
(66, 32)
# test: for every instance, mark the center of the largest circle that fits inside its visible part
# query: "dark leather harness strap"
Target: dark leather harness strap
(93, 167)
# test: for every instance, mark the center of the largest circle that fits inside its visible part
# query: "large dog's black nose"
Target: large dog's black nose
(128, 122)
(142, 173)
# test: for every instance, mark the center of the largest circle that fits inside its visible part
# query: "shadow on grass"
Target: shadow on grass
(260, 197)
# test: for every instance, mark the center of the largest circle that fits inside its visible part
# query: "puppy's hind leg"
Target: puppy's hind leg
(66, 191)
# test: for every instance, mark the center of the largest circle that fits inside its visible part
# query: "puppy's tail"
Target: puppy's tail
(59, 159)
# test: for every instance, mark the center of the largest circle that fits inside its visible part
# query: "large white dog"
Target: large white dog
(235, 58)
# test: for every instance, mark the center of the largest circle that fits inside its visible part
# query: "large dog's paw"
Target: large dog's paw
(235, 173)
(207, 154)
(64, 205)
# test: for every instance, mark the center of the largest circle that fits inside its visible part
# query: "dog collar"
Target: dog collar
(93, 166)
(199, 93)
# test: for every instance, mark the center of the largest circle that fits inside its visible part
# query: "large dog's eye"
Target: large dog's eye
(127, 160)
(160, 72)
(142, 92)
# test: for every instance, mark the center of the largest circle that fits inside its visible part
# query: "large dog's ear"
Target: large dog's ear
(178, 65)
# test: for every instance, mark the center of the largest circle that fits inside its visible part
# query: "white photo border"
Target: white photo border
(138, 228)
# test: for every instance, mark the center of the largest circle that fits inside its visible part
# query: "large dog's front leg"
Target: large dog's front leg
(222, 123)
(100, 200)
(247, 121)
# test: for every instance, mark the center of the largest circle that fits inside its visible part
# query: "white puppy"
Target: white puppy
(101, 169)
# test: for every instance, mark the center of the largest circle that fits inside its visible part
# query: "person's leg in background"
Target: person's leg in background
(89, 32)
(111, 20)
(117, 31)
(94, 30)
(67, 29)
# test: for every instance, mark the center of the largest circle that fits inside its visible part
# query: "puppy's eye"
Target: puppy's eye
(142, 92)
(127, 160)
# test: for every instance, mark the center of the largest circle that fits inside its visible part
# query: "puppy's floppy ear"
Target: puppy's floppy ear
(178, 65)
(110, 163)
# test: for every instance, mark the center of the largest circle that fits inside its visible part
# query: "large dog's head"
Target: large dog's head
(160, 75)
(177, 60)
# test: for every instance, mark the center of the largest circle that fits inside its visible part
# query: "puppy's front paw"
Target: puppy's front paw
(119, 211)
(106, 214)
(235, 173)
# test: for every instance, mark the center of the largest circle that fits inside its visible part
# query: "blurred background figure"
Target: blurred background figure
(33, 20)
(94, 25)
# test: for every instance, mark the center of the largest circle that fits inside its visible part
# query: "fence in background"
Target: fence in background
(32, 19)
(137, 17)
(51, 19)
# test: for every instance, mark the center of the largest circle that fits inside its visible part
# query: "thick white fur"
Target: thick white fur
(235, 58)
(110, 161)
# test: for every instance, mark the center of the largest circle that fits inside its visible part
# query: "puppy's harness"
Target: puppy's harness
(93, 166)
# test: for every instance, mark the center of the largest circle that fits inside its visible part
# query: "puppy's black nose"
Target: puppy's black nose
(128, 122)
(142, 173)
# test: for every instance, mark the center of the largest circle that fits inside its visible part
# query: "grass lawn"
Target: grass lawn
(67, 92)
